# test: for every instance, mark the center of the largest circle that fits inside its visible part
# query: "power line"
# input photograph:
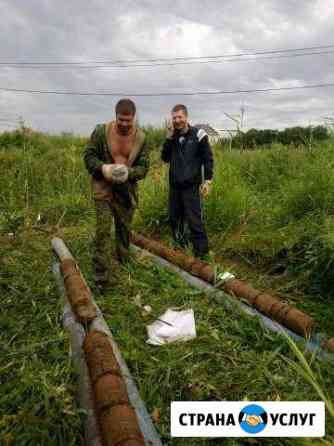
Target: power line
(163, 64)
(193, 93)
(166, 59)
(12, 121)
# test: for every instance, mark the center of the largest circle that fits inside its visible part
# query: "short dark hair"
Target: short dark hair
(125, 107)
(180, 107)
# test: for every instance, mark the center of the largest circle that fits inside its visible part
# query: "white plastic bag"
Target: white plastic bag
(182, 327)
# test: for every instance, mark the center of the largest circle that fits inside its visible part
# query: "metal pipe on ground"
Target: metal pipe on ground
(76, 333)
(328, 344)
(232, 304)
(283, 313)
(145, 422)
(146, 427)
(111, 397)
(77, 290)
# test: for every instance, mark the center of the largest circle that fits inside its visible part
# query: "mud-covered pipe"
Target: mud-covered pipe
(285, 314)
(147, 428)
(232, 304)
(76, 333)
(118, 421)
(328, 344)
(77, 290)
(145, 422)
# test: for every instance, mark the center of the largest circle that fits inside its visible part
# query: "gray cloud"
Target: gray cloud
(104, 30)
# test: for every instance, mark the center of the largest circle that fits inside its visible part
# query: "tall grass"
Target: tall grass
(265, 204)
(44, 177)
(257, 207)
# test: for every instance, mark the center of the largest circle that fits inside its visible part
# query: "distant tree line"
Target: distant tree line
(254, 138)
(155, 137)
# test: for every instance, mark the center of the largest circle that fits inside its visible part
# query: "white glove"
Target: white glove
(116, 173)
(107, 171)
(205, 188)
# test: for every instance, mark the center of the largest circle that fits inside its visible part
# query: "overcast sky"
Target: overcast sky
(101, 30)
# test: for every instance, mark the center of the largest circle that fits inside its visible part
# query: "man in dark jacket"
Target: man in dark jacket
(116, 156)
(188, 152)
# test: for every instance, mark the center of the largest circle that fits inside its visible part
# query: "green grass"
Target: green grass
(258, 219)
(232, 358)
(38, 386)
(272, 210)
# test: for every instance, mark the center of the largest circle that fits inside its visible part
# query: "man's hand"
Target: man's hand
(205, 188)
(169, 129)
(107, 171)
(115, 173)
(120, 173)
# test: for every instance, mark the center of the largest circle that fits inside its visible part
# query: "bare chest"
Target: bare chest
(121, 147)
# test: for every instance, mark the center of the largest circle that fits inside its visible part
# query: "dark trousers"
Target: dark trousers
(185, 208)
(104, 261)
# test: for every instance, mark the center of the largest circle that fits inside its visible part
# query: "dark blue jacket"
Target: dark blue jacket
(187, 154)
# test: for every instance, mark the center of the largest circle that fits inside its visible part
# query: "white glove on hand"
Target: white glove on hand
(120, 173)
(107, 171)
(205, 188)
(116, 173)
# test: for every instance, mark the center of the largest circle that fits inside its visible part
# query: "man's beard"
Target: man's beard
(124, 131)
(182, 130)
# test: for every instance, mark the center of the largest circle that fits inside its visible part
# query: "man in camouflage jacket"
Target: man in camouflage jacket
(116, 157)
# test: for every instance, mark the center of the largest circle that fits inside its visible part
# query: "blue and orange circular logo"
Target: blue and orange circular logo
(253, 419)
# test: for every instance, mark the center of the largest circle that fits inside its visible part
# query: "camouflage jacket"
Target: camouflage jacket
(98, 151)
